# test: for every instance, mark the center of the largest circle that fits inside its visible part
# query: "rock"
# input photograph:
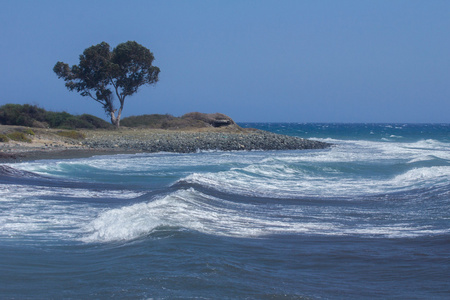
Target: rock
(184, 142)
(214, 120)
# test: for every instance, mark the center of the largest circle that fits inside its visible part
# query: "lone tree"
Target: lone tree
(102, 73)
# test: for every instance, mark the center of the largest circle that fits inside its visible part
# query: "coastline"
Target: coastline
(47, 144)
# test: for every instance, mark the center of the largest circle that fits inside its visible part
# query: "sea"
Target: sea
(368, 218)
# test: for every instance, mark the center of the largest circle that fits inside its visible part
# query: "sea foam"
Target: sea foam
(196, 211)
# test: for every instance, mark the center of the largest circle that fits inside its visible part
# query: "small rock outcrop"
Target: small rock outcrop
(214, 120)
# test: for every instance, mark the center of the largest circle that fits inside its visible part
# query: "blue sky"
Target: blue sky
(263, 61)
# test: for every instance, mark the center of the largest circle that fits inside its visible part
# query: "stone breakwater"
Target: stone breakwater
(186, 142)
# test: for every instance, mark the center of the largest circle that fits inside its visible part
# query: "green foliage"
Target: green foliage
(56, 119)
(71, 134)
(3, 138)
(132, 67)
(23, 115)
(101, 73)
(96, 122)
(19, 137)
(33, 116)
(29, 131)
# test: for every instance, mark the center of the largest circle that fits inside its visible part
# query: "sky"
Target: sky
(361, 61)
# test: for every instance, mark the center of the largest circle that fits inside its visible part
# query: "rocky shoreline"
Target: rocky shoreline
(186, 142)
(97, 142)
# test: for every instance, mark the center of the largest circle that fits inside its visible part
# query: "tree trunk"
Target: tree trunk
(119, 113)
(114, 120)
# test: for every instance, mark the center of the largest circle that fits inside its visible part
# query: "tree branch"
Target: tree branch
(90, 95)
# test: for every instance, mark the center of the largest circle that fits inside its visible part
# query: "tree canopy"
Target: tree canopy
(102, 73)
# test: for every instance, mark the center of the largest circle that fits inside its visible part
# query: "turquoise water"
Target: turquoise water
(367, 218)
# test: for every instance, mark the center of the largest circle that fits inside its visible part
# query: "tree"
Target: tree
(102, 73)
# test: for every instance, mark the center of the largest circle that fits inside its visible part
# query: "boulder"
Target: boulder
(214, 120)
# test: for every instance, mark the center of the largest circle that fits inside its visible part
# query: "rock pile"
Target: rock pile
(185, 142)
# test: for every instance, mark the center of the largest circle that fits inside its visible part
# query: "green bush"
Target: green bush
(74, 122)
(19, 137)
(56, 119)
(71, 134)
(23, 115)
(3, 138)
(29, 131)
(33, 116)
(96, 122)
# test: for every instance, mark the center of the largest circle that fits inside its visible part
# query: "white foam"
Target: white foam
(10, 192)
(294, 184)
(335, 172)
(40, 211)
(395, 231)
(421, 158)
(142, 164)
(185, 209)
(182, 210)
(421, 176)
(193, 210)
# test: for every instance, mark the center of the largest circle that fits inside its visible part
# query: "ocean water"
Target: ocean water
(367, 218)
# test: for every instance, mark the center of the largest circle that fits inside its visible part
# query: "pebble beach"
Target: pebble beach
(47, 144)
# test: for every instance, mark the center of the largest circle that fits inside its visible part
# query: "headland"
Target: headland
(48, 143)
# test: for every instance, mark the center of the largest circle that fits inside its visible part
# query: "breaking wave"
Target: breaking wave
(196, 211)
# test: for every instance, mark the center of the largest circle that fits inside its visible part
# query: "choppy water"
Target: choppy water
(367, 218)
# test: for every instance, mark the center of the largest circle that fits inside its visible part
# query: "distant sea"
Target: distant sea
(367, 218)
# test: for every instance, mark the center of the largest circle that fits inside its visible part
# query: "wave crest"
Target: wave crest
(13, 172)
(193, 210)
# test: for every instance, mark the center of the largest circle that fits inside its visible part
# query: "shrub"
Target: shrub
(37, 124)
(56, 119)
(23, 115)
(74, 122)
(19, 137)
(96, 122)
(29, 131)
(3, 138)
(33, 116)
(71, 134)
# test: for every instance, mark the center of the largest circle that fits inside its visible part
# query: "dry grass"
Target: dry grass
(19, 137)
(72, 134)
(3, 138)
